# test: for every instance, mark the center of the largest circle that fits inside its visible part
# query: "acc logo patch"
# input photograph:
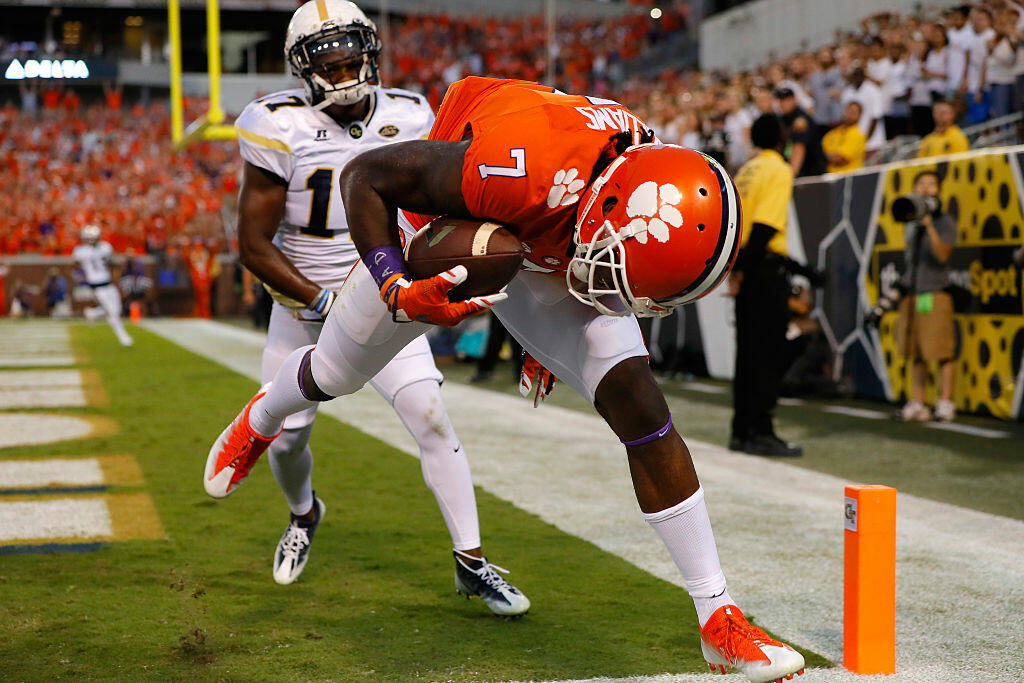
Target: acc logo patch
(388, 131)
(355, 130)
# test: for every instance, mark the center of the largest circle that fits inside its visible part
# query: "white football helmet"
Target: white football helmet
(90, 234)
(326, 36)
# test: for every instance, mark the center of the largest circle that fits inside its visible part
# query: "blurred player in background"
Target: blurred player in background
(293, 235)
(612, 225)
(93, 256)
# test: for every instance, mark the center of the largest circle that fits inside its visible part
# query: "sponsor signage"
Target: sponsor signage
(46, 69)
(987, 272)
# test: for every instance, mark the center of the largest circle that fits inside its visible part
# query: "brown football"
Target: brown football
(490, 252)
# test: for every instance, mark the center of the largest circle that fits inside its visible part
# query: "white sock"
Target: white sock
(442, 459)
(686, 531)
(284, 397)
(291, 461)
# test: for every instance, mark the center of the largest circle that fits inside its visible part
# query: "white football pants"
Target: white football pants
(109, 299)
(410, 382)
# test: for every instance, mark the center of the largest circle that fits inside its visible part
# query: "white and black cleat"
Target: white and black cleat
(293, 548)
(476, 576)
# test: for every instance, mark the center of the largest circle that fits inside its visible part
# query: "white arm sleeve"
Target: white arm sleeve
(262, 144)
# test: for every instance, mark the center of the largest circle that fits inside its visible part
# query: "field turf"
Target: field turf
(376, 601)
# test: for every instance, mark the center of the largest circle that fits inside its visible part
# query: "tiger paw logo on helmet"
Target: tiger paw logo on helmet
(566, 189)
(653, 210)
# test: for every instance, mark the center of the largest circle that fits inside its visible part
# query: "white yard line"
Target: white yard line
(969, 429)
(29, 360)
(35, 343)
(41, 389)
(54, 518)
(32, 429)
(960, 590)
(19, 474)
(857, 412)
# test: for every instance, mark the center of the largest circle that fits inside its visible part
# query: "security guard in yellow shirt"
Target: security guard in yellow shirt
(760, 283)
(947, 138)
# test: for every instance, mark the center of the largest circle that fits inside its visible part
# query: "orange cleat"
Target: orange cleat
(234, 453)
(728, 640)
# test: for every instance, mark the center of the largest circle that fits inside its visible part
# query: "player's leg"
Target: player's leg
(357, 341)
(109, 299)
(411, 384)
(290, 457)
(603, 358)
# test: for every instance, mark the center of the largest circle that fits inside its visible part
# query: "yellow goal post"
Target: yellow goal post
(210, 126)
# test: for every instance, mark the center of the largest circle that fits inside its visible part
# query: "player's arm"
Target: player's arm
(424, 176)
(261, 203)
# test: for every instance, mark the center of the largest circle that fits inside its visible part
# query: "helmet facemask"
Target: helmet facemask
(338, 64)
(596, 275)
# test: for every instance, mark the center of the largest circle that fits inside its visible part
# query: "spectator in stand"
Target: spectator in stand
(959, 37)
(897, 117)
(947, 138)
(737, 127)
(112, 95)
(844, 144)
(998, 74)
(826, 84)
(878, 70)
(980, 37)
(868, 95)
(919, 96)
(936, 65)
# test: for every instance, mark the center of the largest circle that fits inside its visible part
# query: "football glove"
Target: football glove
(535, 375)
(427, 301)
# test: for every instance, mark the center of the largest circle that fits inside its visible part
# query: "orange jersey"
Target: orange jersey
(531, 158)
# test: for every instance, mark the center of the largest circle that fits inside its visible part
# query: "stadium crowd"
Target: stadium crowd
(895, 68)
(429, 52)
(112, 163)
(71, 165)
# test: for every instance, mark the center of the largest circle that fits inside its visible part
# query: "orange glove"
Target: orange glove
(535, 374)
(426, 300)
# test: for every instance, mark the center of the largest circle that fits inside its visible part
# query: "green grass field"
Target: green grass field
(376, 601)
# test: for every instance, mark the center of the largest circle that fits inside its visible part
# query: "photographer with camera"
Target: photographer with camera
(924, 331)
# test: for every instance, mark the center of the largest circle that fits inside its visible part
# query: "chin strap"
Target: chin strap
(661, 433)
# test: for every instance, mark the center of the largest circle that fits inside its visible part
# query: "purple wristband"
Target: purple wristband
(384, 262)
(651, 437)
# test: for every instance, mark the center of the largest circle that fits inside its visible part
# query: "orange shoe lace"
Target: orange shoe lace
(737, 639)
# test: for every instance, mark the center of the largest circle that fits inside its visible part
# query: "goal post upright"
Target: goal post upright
(174, 35)
(211, 125)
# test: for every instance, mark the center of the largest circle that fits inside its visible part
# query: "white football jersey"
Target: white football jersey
(93, 260)
(306, 149)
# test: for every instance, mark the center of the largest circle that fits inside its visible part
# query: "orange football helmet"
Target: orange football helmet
(660, 228)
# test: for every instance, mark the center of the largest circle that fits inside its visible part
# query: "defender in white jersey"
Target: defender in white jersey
(93, 257)
(293, 235)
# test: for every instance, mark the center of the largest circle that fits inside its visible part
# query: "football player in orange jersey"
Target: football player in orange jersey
(615, 225)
